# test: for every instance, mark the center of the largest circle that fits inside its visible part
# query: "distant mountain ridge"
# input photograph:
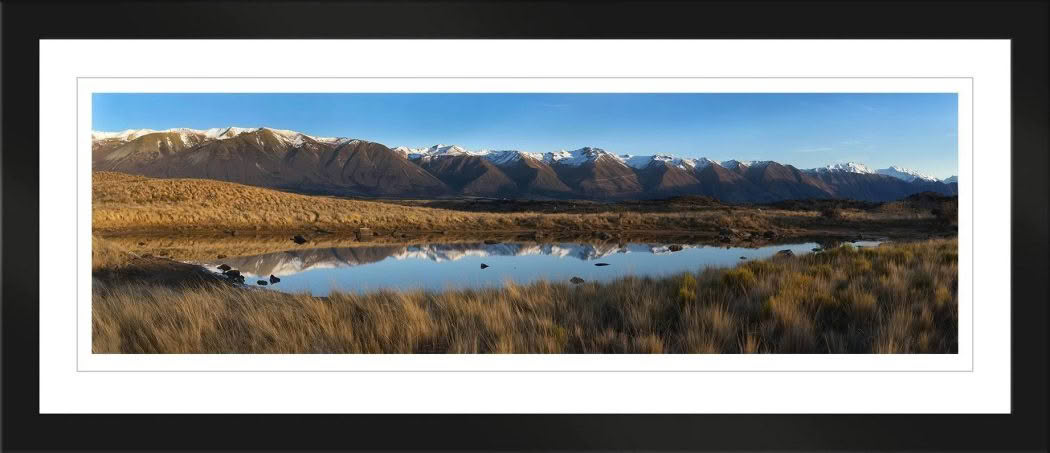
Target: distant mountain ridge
(345, 166)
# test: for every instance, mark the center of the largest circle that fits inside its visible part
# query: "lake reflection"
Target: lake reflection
(458, 265)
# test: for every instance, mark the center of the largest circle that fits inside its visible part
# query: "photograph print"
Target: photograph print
(524, 223)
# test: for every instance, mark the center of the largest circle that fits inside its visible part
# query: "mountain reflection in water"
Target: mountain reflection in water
(457, 265)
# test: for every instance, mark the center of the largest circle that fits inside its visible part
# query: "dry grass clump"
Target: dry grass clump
(107, 255)
(897, 298)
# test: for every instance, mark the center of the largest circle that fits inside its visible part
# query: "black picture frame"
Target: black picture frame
(24, 23)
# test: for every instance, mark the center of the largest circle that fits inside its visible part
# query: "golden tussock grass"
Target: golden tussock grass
(896, 298)
(123, 203)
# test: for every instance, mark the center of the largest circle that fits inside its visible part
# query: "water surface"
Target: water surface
(458, 265)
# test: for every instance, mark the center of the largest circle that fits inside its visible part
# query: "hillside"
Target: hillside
(294, 161)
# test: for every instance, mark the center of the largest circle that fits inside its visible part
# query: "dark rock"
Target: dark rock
(261, 282)
(220, 256)
(674, 248)
(142, 243)
(817, 249)
(576, 280)
(601, 264)
(274, 279)
(743, 257)
(224, 267)
(483, 265)
(785, 252)
(232, 273)
(603, 235)
(491, 241)
(299, 239)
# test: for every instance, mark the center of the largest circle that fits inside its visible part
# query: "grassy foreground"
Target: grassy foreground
(897, 298)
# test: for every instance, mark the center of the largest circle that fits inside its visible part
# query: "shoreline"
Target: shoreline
(897, 298)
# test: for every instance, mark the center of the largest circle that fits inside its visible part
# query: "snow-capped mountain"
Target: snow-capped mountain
(642, 162)
(292, 159)
(950, 179)
(581, 156)
(894, 171)
(904, 174)
(848, 167)
(734, 164)
(194, 136)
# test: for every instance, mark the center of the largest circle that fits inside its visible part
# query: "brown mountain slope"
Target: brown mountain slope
(470, 175)
(374, 169)
(131, 156)
(727, 185)
(268, 159)
(663, 179)
(785, 182)
(860, 186)
(604, 177)
(534, 177)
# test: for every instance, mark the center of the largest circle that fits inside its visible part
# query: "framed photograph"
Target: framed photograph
(526, 225)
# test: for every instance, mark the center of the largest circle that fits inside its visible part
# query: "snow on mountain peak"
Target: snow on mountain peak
(734, 164)
(126, 135)
(506, 157)
(580, 156)
(904, 174)
(642, 162)
(848, 167)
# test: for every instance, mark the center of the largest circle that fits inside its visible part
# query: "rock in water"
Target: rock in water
(601, 264)
(576, 280)
(364, 233)
(224, 267)
(743, 257)
(483, 265)
(674, 248)
(785, 252)
(261, 282)
(299, 239)
(274, 279)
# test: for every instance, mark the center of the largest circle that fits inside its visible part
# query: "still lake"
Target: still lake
(458, 265)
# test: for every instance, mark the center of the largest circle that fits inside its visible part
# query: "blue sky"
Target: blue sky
(914, 130)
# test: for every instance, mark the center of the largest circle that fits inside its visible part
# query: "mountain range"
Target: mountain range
(292, 160)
